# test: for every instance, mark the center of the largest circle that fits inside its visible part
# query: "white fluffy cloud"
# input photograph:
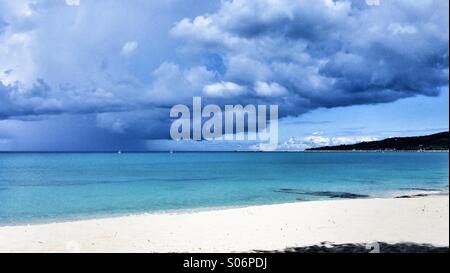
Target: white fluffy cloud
(271, 89)
(318, 139)
(223, 90)
(402, 29)
(72, 2)
(373, 2)
(128, 48)
(173, 85)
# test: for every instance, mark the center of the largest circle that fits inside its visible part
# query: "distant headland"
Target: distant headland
(434, 142)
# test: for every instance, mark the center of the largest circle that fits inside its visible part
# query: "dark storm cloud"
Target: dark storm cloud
(327, 53)
(301, 55)
(39, 100)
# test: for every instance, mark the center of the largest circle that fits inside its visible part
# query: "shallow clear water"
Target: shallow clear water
(36, 187)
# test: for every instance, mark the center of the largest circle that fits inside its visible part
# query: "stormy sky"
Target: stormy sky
(103, 75)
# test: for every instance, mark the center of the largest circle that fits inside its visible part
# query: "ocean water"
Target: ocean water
(44, 187)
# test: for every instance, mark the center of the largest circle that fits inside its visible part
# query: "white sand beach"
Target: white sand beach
(271, 227)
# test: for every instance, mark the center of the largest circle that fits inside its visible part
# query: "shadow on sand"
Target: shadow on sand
(363, 248)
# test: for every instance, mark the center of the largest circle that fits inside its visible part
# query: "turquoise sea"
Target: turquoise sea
(44, 187)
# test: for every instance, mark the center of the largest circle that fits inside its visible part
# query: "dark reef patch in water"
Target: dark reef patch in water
(330, 194)
(412, 196)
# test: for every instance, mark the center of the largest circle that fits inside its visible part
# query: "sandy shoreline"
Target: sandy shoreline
(423, 220)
